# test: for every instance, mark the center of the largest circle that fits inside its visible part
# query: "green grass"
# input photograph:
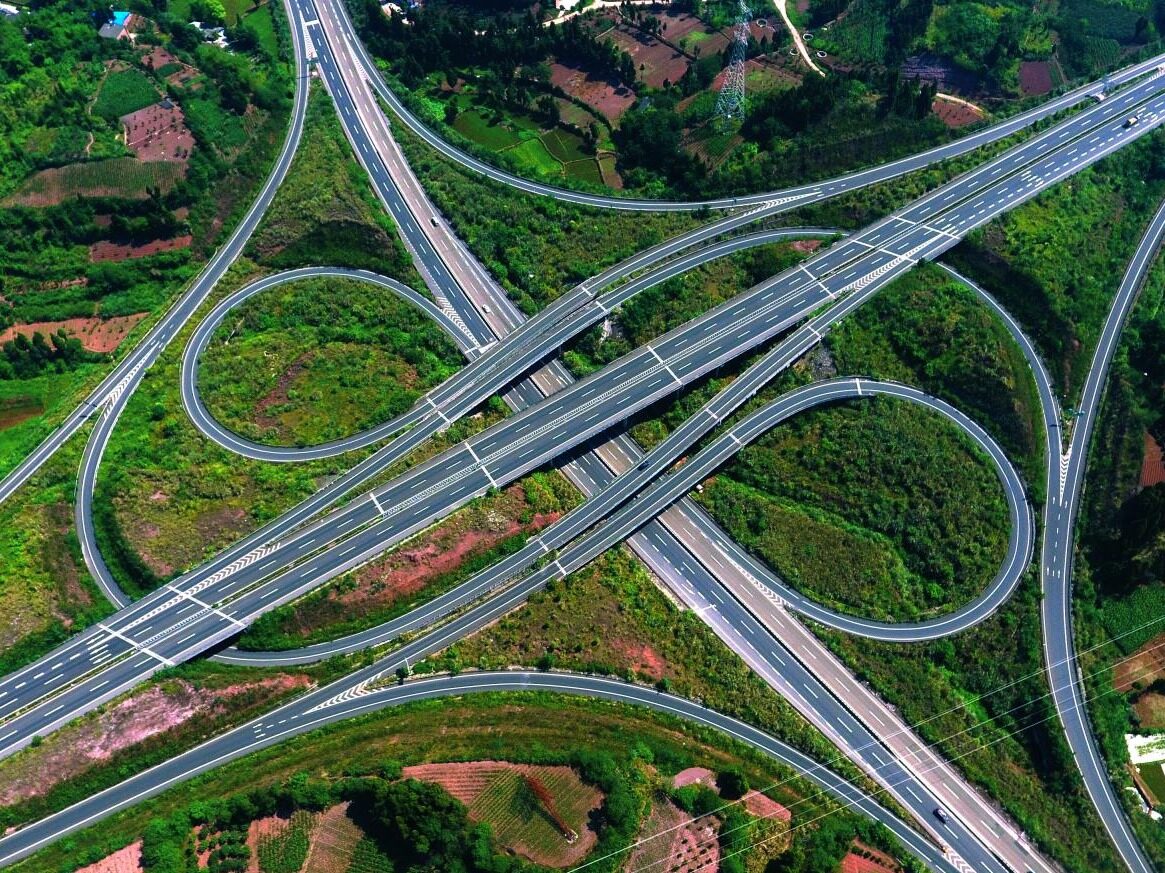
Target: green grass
(51, 393)
(587, 170)
(221, 130)
(565, 146)
(1154, 776)
(325, 212)
(878, 507)
(932, 332)
(319, 360)
(533, 154)
(264, 25)
(492, 135)
(45, 590)
(123, 92)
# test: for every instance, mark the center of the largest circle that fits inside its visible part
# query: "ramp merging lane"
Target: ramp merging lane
(1060, 512)
(185, 619)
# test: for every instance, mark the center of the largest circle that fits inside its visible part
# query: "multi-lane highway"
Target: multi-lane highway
(278, 563)
(855, 267)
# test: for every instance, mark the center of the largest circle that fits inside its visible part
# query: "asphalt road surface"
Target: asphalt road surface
(186, 620)
(1056, 563)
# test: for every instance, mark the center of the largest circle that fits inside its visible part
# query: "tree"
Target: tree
(732, 782)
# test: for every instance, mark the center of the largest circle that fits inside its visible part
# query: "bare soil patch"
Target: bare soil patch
(18, 409)
(644, 659)
(105, 250)
(1150, 710)
(158, 133)
(954, 114)
(692, 775)
(606, 96)
(1035, 78)
(96, 334)
(77, 747)
(656, 62)
(1142, 668)
(127, 860)
(1153, 464)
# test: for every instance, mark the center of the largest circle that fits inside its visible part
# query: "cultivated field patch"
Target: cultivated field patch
(128, 178)
(671, 841)
(158, 133)
(656, 62)
(509, 797)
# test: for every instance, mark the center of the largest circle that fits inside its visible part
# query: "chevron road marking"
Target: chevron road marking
(141, 647)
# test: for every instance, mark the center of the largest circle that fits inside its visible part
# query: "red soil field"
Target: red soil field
(609, 98)
(158, 133)
(1153, 465)
(1142, 667)
(111, 251)
(954, 114)
(127, 860)
(1035, 78)
(96, 334)
(693, 775)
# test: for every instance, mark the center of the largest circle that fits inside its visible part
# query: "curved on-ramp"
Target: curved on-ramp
(210, 427)
(300, 717)
(675, 486)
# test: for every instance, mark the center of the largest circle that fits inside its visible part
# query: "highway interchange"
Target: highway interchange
(211, 604)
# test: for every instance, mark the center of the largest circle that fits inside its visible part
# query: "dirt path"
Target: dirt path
(782, 8)
(951, 98)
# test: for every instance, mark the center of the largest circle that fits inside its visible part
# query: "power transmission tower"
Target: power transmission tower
(730, 103)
